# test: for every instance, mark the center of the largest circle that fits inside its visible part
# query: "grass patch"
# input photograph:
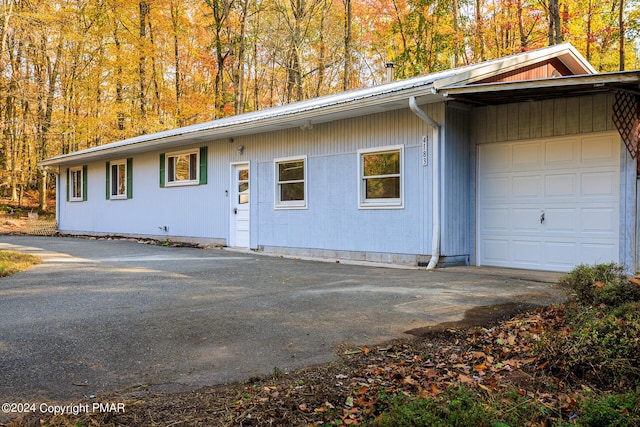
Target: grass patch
(12, 262)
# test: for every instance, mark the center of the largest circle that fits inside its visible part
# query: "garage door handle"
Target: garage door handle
(541, 217)
(235, 211)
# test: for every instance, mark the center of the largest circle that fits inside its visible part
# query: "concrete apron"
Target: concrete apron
(100, 316)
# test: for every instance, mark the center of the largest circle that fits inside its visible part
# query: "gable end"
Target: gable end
(552, 67)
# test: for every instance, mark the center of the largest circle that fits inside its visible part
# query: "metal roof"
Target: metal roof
(386, 97)
(536, 90)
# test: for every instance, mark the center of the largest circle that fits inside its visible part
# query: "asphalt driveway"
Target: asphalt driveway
(103, 316)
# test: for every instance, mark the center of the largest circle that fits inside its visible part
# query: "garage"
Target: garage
(550, 203)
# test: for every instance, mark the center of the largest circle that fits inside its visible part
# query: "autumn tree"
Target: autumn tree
(78, 74)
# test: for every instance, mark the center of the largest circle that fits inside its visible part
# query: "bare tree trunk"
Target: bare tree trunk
(142, 63)
(348, 58)
(177, 80)
(555, 28)
(589, 35)
(221, 9)
(5, 25)
(622, 34)
(154, 80)
(239, 48)
(456, 34)
(47, 78)
(119, 85)
(294, 64)
(523, 38)
(479, 42)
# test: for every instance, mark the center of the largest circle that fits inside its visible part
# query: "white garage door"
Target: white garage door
(549, 204)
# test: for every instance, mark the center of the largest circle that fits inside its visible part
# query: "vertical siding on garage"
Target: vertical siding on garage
(557, 117)
(457, 230)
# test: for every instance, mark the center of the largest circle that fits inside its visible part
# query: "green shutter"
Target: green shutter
(162, 161)
(203, 165)
(108, 179)
(68, 185)
(129, 178)
(84, 183)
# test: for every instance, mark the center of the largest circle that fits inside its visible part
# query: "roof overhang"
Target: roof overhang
(536, 90)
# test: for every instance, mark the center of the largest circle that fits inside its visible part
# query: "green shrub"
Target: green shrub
(601, 284)
(614, 410)
(597, 345)
(617, 293)
(582, 278)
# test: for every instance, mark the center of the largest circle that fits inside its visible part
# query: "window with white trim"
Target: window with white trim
(291, 182)
(119, 179)
(182, 168)
(187, 167)
(76, 184)
(381, 177)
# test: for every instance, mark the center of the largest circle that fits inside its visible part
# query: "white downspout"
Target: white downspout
(435, 244)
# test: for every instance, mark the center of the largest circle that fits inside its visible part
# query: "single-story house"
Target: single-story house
(517, 162)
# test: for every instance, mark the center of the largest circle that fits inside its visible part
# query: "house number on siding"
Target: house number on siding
(425, 159)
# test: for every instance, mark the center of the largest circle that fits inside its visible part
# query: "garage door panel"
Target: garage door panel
(497, 251)
(561, 153)
(599, 184)
(525, 220)
(599, 220)
(560, 185)
(600, 149)
(526, 186)
(496, 188)
(575, 184)
(496, 159)
(593, 252)
(527, 252)
(561, 220)
(496, 220)
(560, 255)
(526, 156)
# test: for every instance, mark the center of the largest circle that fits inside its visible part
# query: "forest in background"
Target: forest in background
(76, 74)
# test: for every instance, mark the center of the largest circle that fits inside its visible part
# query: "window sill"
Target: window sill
(370, 205)
(289, 207)
(182, 184)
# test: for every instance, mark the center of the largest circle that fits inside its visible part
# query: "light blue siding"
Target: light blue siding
(457, 229)
(332, 220)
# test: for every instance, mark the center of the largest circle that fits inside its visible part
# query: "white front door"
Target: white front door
(549, 204)
(240, 214)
